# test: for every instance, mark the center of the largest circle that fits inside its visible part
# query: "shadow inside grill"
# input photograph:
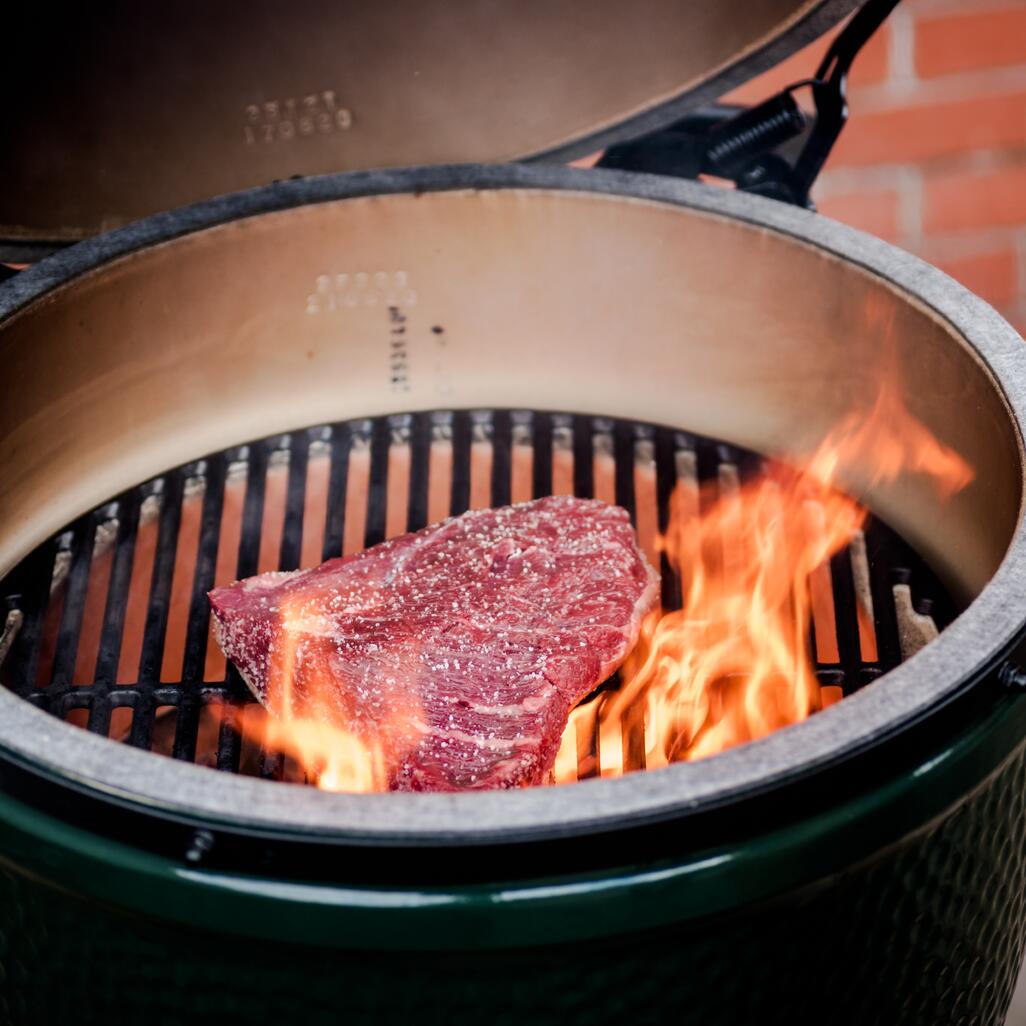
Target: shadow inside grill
(108, 623)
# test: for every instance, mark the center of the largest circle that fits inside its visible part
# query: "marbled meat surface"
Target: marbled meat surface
(461, 648)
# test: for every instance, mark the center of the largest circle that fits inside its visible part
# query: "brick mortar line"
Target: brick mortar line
(840, 181)
(991, 160)
(974, 242)
(860, 177)
(901, 66)
(910, 206)
(927, 10)
(1020, 256)
(963, 86)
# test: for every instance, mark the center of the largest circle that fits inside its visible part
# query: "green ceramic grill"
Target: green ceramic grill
(215, 391)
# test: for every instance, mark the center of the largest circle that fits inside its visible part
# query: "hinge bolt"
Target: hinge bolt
(1012, 677)
(202, 842)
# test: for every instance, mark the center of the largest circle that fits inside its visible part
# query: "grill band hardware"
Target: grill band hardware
(1012, 676)
(747, 145)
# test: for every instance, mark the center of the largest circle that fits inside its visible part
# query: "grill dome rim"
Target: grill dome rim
(966, 650)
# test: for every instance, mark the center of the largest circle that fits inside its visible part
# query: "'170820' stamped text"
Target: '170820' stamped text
(294, 117)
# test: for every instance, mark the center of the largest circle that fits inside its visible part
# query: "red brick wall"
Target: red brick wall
(934, 156)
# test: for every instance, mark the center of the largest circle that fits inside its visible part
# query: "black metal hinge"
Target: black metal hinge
(775, 148)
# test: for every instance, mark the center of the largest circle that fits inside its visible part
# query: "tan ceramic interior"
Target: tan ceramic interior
(545, 300)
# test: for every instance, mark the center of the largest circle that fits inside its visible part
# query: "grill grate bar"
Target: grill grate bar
(481, 443)
(256, 456)
(884, 572)
(338, 479)
(623, 453)
(624, 436)
(377, 487)
(461, 440)
(212, 692)
(295, 502)
(846, 627)
(186, 727)
(420, 460)
(502, 458)
(82, 541)
(198, 625)
(584, 457)
(541, 464)
(666, 482)
(126, 511)
(228, 746)
(158, 607)
(143, 707)
(117, 590)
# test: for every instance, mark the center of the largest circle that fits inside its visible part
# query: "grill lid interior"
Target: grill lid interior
(140, 111)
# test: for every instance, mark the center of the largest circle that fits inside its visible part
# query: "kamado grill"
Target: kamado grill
(271, 378)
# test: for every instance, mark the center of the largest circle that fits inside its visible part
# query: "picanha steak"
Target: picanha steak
(460, 648)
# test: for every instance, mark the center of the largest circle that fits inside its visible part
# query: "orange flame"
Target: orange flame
(310, 715)
(334, 758)
(734, 663)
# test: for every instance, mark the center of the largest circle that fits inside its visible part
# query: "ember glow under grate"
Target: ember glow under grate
(109, 627)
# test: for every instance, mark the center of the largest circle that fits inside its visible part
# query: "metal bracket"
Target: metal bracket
(1011, 676)
(749, 145)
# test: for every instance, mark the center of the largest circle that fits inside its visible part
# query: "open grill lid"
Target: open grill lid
(132, 109)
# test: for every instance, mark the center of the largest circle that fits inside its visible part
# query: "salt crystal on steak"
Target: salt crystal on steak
(461, 648)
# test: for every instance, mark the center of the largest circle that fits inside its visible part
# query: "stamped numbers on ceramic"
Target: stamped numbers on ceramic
(351, 290)
(398, 351)
(388, 292)
(295, 117)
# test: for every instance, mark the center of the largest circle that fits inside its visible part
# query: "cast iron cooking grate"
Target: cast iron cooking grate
(108, 623)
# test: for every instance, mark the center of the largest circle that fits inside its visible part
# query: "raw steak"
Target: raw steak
(461, 648)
